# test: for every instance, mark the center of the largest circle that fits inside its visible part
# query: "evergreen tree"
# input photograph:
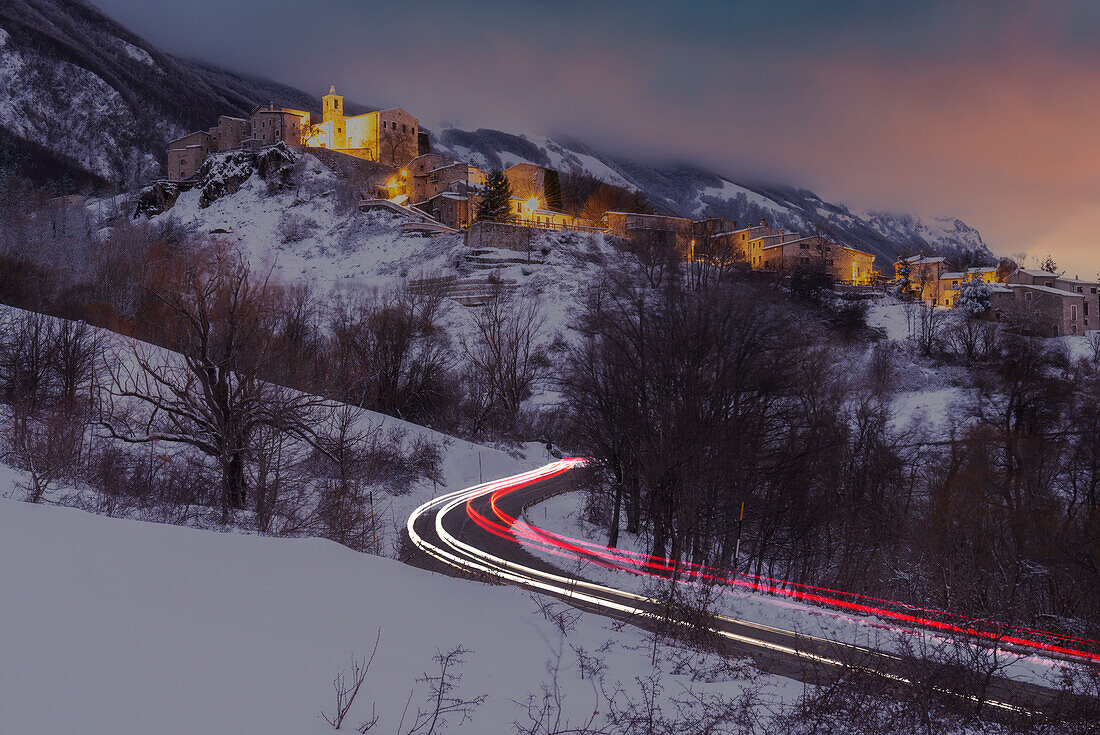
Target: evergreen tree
(974, 297)
(552, 189)
(1049, 265)
(493, 206)
(904, 279)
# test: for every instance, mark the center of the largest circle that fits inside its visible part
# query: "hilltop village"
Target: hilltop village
(438, 193)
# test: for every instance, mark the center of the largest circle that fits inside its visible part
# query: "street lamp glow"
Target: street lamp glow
(531, 205)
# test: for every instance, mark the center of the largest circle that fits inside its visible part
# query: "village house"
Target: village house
(789, 252)
(430, 175)
(921, 276)
(653, 230)
(186, 154)
(741, 240)
(453, 209)
(1089, 291)
(950, 284)
(1047, 311)
(528, 181)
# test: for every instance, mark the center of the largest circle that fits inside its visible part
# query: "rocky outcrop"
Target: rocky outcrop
(156, 198)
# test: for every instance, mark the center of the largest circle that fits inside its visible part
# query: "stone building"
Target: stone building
(786, 253)
(950, 284)
(186, 154)
(388, 136)
(432, 174)
(450, 208)
(653, 229)
(739, 240)
(232, 132)
(1089, 291)
(270, 125)
(923, 275)
(267, 125)
(1042, 310)
(528, 181)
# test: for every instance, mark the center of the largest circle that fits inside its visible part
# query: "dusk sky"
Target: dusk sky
(987, 111)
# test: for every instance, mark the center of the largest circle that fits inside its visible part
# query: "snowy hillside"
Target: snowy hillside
(83, 97)
(305, 228)
(132, 627)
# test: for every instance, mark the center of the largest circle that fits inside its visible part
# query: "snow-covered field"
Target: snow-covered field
(117, 626)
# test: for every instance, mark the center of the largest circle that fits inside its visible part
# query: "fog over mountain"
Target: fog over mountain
(89, 104)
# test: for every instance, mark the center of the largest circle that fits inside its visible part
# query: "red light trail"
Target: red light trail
(506, 526)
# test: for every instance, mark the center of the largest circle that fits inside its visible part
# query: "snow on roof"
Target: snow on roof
(850, 249)
(440, 168)
(921, 260)
(639, 214)
(781, 243)
(952, 276)
(1047, 274)
(452, 195)
(982, 269)
(1046, 289)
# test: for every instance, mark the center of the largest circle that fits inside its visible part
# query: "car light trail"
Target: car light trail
(456, 553)
(506, 526)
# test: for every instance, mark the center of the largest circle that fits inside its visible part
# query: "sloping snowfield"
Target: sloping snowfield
(117, 626)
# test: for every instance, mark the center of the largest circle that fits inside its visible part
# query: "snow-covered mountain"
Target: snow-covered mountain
(85, 103)
(83, 98)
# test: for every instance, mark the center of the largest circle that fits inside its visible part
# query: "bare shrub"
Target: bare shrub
(1093, 339)
(47, 445)
(442, 705)
(295, 228)
(347, 684)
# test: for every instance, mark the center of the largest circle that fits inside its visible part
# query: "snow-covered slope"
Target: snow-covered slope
(299, 227)
(83, 97)
(116, 626)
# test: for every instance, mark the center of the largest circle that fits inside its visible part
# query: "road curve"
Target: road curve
(476, 531)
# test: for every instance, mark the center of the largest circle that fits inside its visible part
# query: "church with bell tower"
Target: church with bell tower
(386, 136)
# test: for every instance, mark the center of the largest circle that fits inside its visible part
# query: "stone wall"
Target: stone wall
(503, 236)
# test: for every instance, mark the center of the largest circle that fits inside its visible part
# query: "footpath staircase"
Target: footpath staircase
(473, 291)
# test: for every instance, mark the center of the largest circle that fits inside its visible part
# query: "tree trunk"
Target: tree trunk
(613, 535)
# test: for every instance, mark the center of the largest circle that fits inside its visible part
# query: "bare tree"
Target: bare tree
(212, 395)
(506, 354)
(927, 328)
(46, 444)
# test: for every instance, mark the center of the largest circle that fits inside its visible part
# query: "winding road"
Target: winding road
(479, 531)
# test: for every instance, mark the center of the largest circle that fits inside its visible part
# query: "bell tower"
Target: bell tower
(332, 105)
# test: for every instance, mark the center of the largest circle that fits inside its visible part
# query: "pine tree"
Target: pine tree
(974, 296)
(1049, 265)
(904, 279)
(552, 188)
(493, 206)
